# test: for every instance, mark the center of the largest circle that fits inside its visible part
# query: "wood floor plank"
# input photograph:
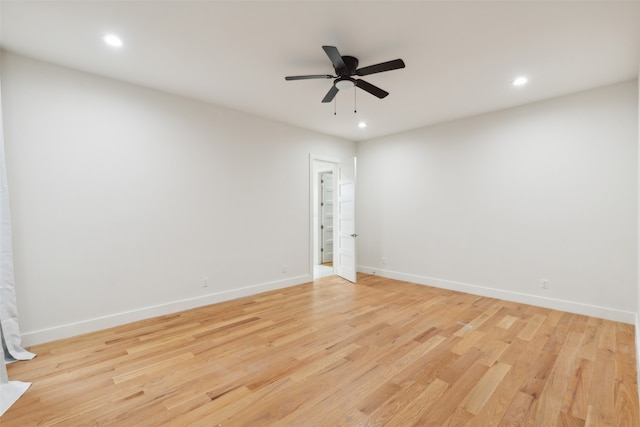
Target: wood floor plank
(576, 399)
(380, 352)
(484, 388)
(519, 411)
(451, 398)
(409, 391)
(411, 414)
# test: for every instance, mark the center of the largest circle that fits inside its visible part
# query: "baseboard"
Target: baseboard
(117, 319)
(638, 350)
(552, 303)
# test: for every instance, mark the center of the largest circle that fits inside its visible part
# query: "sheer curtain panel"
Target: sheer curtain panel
(11, 340)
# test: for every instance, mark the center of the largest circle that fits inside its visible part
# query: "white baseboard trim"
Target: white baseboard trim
(552, 303)
(117, 319)
(638, 349)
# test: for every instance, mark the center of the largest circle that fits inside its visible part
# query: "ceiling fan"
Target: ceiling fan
(346, 68)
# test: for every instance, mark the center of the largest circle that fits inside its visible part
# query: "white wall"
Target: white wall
(124, 198)
(495, 203)
(638, 235)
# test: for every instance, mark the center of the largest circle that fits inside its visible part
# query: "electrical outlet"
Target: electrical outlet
(205, 282)
(544, 284)
(284, 269)
(384, 261)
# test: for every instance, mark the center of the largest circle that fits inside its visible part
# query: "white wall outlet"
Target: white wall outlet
(205, 282)
(544, 284)
(284, 269)
(384, 261)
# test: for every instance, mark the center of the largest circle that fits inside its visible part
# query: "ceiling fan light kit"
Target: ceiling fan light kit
(346, 67)
(344, 83)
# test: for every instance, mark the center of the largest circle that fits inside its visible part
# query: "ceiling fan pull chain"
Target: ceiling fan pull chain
(335, 102)
(355, 104)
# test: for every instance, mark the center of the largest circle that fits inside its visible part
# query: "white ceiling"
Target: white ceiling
(460, 56)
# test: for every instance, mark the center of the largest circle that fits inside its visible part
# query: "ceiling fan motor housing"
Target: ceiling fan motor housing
(351, 65)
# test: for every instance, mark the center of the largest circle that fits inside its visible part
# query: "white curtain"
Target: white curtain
(10, 332)
(10, 391)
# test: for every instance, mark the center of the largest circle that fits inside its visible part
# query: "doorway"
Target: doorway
(339, 210)
(323, 209)
(326, 218)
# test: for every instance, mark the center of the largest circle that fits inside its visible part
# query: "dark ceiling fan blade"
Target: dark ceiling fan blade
(334, 56)
(330, 95)
(311, 76)
(378, 68)
(373, 90)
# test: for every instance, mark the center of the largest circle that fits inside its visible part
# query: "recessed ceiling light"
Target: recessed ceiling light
(520, 81)
(362, 125)
(113, 40)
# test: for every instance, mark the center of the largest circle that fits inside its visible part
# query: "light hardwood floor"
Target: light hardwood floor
(331, 353)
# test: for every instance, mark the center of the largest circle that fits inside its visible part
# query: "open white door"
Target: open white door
(345, 236)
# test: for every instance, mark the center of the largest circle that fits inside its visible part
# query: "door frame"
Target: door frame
(312, 203)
